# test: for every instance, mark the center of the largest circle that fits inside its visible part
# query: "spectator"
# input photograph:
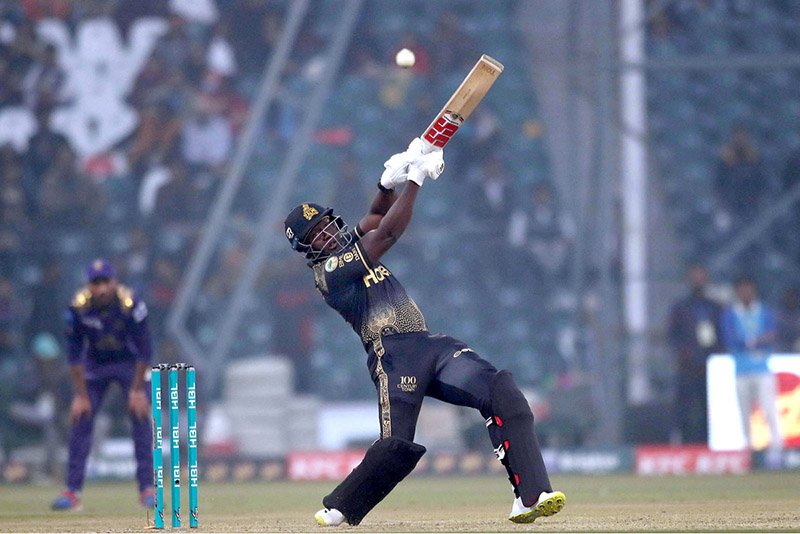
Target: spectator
(47, 296)
(452, 47)
(293, 329)
(490, 194)
(44, 81)
(750, 334)
(66, 197)
(158, 131)
(789, 321)
(42, 147)
(221, 58)
(789, 178)
(694, 334)
(10, 317)
(207, 137)
(350, 193)
(740, 185)
(542, 231)
(172, 49)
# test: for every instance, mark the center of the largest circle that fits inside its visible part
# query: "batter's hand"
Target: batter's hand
(396, 171)
(137, 404)
(80, 407)
(431, 164)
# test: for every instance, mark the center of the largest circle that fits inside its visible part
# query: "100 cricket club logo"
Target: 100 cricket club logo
(408, 384)
(443, 129)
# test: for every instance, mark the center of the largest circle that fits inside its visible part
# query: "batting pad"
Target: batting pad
(514, 418)
(386, 463)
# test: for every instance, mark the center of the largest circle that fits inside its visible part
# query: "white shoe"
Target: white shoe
(548, 504)
(329, 517)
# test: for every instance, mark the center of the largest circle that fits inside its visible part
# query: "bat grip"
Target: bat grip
(427, 147)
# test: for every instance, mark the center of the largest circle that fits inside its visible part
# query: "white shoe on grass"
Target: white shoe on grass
(329, 517)
(548, 504)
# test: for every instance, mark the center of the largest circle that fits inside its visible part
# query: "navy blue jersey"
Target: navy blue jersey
(112, 334)
(366, 294)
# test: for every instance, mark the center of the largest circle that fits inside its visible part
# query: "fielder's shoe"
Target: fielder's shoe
(329, 517)
(548, 504)
(67, 501)
(147, 498)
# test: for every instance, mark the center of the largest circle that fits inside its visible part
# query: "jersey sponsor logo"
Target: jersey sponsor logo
(309, 211)
(331, 264)
(289, 233)
(376, 276)
(408, 384)
(443, 129)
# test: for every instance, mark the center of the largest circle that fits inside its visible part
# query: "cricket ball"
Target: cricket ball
(405, 58)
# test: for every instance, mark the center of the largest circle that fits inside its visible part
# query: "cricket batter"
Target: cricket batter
(109, 341)
(406, 361)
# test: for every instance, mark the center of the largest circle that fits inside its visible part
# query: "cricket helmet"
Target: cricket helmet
(304, 218)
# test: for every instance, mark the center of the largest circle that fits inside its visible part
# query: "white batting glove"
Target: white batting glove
(396, 170)
(416, 175)
(431, 163)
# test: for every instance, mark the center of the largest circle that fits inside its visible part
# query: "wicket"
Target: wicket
(174, 448)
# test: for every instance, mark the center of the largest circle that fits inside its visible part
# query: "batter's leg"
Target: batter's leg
(463, 378)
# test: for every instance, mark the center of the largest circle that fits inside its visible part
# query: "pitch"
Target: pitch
(759, 502)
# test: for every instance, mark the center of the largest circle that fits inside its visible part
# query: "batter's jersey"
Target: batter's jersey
(366, 294)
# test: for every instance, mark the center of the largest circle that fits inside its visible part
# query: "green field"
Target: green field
(758, 502)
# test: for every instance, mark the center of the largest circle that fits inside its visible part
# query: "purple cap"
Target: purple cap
(100, 269)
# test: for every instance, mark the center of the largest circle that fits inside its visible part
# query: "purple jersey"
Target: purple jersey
(117, 333)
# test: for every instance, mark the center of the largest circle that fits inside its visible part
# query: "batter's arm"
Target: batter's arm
(377, 210)
(392, 225)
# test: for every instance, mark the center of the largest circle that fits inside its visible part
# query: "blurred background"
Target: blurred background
(626, 142)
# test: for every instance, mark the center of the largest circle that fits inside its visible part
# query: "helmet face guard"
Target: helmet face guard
(303, 219)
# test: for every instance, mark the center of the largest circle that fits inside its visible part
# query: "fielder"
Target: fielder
(348, 273)
(109, 341)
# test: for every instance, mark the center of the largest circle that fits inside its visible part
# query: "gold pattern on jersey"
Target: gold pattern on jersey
(319, 278)
(125, 296)
(82, 299)
(309, 212)
(459, 352)
(383, 390)
(395, 317)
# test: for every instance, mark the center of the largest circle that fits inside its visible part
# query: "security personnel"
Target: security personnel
(109, 341)
(405, 361)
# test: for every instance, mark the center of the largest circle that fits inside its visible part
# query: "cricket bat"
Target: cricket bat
(463, 102)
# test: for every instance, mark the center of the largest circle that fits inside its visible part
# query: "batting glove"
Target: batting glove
(396, 170)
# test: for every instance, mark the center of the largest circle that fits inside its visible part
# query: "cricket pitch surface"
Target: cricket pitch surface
(760, 502)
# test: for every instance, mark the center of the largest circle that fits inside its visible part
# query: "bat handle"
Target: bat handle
(427, 146)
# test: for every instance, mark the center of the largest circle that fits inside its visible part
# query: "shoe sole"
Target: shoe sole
(320, 520)
(550, 506)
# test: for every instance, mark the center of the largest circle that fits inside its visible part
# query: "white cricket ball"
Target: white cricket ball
(405, 58)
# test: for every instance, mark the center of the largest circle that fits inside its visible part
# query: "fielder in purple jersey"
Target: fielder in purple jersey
(109, 341)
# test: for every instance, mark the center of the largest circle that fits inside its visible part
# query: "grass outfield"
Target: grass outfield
(760, 502)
